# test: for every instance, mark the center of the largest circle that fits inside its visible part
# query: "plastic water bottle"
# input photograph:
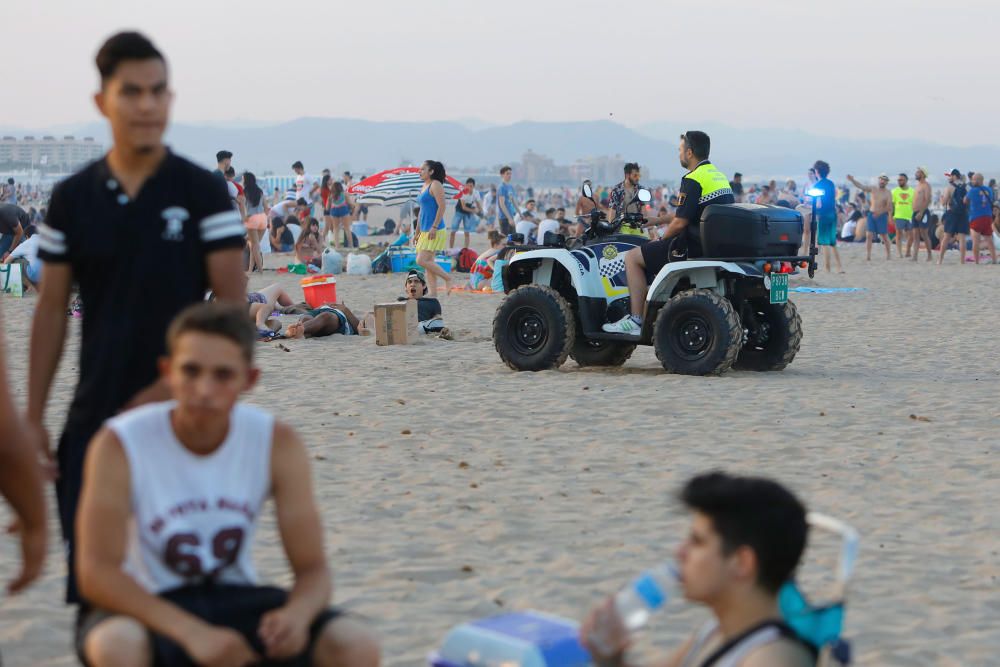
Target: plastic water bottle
(636, 602)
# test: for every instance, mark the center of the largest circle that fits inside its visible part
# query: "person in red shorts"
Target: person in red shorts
(980, 203)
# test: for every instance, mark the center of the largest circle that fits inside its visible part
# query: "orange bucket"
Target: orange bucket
(319, 290)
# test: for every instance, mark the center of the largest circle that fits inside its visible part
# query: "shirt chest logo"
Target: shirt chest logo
(173, 228)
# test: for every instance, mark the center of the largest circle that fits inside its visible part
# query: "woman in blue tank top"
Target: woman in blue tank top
(432, 239)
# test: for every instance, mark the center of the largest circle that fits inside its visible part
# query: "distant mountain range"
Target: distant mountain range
(364, 146)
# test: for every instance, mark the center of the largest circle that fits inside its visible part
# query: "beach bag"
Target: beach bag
(333, 261)
(10, 279)
(358, 264)
(466, 260)
(381, 263)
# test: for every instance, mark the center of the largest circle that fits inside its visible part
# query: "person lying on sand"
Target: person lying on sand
(331, 319)
(265, 302)
(746, 538)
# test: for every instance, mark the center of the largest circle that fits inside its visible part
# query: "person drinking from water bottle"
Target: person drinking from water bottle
(746, 538)
(433, 238)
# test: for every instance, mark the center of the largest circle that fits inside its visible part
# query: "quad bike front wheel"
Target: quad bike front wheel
(534, 329)
(773, 338)
(600, 352)
(697, 332)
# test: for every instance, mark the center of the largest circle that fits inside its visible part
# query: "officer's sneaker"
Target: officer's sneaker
(630, 325)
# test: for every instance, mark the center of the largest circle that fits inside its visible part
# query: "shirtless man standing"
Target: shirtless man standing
(878, 219)
(921, 214)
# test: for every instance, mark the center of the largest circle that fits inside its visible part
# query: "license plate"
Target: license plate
(779, 287)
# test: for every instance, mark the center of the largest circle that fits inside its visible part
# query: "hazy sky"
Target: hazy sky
(874, 68)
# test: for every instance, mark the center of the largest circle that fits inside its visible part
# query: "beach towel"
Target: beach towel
(826, 290)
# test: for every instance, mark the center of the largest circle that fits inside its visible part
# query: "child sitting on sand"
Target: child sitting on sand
(171, 498)
(482, 270)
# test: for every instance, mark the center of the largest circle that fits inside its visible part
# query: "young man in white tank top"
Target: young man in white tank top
(746, 538)
(170, 503)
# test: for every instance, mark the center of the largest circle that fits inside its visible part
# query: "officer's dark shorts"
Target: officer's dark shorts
(236, 607)
(656, 254)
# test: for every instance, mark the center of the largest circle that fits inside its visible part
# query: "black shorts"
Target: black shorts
(236, 607)
(505, 227)
(656, 254)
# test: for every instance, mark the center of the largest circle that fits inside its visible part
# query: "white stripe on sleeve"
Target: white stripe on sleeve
(46, 244)
(220, 219)
(51, 233)
(234, 229)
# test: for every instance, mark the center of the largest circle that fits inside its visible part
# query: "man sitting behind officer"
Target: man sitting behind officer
(623, 198)
(702, 186)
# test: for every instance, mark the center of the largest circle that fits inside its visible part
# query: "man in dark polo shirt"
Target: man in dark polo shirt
(143, 233)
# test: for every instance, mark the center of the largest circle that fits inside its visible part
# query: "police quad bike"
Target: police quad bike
(703, 316)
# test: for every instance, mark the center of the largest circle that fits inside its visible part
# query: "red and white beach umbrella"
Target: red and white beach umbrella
(394, 187)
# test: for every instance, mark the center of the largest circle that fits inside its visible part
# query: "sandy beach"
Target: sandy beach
(453, 488)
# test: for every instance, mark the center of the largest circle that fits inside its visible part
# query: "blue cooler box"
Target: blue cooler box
(444, 261)
(359, 228)
(526, 639)
(401, 259)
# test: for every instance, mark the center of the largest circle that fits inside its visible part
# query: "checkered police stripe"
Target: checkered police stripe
(614, 267)
(716, 194)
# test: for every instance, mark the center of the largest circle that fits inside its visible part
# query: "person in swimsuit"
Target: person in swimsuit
(746, 538)
(340, 214)
(432, 239)
(255, 221)
(309, 247)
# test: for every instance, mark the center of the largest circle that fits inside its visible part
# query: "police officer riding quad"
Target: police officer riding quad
(726, 308)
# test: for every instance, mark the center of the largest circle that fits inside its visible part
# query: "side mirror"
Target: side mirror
(645, 196)
(588, 192)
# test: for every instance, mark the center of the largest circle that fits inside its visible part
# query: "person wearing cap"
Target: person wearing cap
(902, 213)
(429, 318)
(980, 203)
(878, 217)
(921, 213)
(956, 215)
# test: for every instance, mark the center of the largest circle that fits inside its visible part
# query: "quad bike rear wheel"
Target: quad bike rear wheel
(534, 329)
(697, 332)
(773, 337)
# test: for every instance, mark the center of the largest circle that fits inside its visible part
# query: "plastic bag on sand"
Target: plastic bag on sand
(358, 265)
(333, 261)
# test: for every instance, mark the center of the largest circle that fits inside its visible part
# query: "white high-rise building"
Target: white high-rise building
(63, 154)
